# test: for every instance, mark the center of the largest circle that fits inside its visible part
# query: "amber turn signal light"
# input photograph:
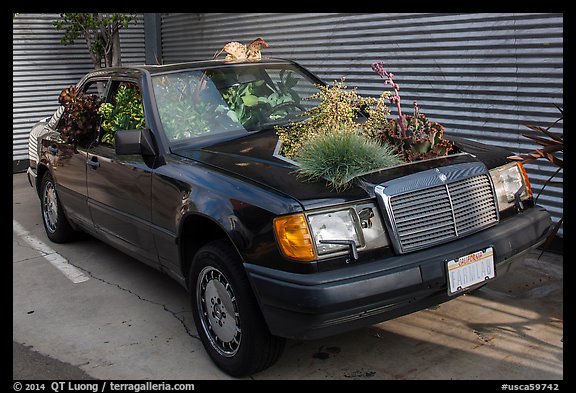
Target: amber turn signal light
(294, 237)
(526, 179)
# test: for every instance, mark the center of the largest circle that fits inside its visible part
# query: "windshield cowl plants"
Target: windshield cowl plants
(331, 143)
(314, 143)
(341, 156)
(337, 109)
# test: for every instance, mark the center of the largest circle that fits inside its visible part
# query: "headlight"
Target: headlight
(510, 181)
(334, 226)
(330, 232)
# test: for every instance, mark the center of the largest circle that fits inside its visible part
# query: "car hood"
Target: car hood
(253, 157)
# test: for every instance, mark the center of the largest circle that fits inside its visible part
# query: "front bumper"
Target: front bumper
(310, 306)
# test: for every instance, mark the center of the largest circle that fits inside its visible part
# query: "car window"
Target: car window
(96, 88)
(187, 104)
(199, 103)
(123, 111)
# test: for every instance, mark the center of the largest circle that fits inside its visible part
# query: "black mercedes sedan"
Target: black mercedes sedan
(179, 166)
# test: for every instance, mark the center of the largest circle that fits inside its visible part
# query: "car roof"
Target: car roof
(197, 64)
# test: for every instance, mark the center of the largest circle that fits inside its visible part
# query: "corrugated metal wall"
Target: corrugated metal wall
(42, 67)
(480, 75)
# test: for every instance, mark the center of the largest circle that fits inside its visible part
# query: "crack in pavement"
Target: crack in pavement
(23, 243)
(173, 313)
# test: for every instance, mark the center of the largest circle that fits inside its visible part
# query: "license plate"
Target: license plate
(469, 270)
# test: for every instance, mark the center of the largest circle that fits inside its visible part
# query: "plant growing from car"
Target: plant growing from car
(80, 119)
(126, 113)
(313, 141)
(340, 155)
(245, 103)
(252, 104)
(183, 113)
(285, 93)
(338, 109)
(332, 144)
(414, 137)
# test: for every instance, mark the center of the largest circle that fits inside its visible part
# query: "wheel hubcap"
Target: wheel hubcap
(218, 311)
(50, 211)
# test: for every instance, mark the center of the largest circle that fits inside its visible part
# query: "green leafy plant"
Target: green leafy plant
(80, 119)
(320, 148)
(183, 119)
(126, 113)
(246, 103)
(254, 103)
(340, 156)
(414, 137)
(338, 109)
(183, 113)
(284, 95)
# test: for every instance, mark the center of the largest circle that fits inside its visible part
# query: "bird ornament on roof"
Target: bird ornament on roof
(237, 51)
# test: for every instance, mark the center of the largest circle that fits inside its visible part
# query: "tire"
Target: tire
(57, 227)
(227, 315)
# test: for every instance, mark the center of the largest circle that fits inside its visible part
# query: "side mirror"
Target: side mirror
(134, 142)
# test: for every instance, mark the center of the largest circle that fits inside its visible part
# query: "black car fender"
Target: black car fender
(203, 204)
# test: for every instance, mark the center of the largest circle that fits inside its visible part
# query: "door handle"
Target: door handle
(93, 162)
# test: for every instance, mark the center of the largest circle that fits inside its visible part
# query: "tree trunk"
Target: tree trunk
(96, 59)
(116, 54)
(108, 58)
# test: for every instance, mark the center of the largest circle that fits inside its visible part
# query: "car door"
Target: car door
(68, 160)
(119, 186)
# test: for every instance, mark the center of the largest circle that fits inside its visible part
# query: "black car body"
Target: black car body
(164, 203)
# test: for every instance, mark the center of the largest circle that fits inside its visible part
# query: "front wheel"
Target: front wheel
(57, 227)
(227, 315)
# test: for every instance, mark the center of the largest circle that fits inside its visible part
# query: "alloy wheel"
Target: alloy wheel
(218, 311)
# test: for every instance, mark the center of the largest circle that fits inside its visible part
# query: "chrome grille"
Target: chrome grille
(438, 213)
(423, 217)
(473, 202)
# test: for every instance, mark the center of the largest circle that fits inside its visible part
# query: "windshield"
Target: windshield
(232, 99)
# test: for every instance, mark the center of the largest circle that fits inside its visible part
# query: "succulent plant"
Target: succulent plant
(414, 137)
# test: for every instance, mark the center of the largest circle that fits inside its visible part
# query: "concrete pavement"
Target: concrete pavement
(128, 321)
